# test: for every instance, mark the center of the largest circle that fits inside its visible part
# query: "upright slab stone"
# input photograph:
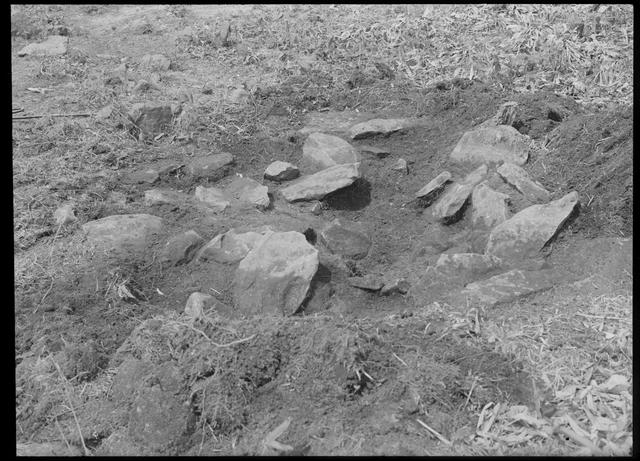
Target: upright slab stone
(123, 234)
(489, 207)
(377, 126)
(322, 151)
(434, 187)
(452, 202)
(492, 144)
(525, 233)
(520, 179)
(317, 185)
(507, 287)
(214, 167)
(345, 241)
(274, 277)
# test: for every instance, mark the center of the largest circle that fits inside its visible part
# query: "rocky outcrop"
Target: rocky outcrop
(274, 277)
(525, 233)
(452, 202)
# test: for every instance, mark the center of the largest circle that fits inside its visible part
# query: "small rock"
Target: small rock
(316, 186)
(322, 151)
(520, 179)
(376, 127)
(400, 165)
(213, 198)
(434, 187)
(489, 208)
(213, 167)
(526, 233)
(452, 202)
(151, 118)
(64, 215)
(239, 96)
(316, 209)
(181, 248)
(368, 282)
(397, 286)
(197, 303)
(281, 171)
(147, 175)
(54, 45)
(492, 145)
(345, 241)
(275, 276)
(377, 151)
(248, 192)
(155, 62)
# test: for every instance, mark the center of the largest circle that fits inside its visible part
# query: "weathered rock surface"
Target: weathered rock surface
(345, 241)
(507, 286)
(213, 167)
(151, 118)
(520, 179)
(505, 116)
(492, 145)
(466, 264)
(525, 233)
(281, 171)
(155, 62)
(159, 420)
(213, 198)
(47, 449)
(489, 207)
(400, 165)
(197, 303)
(181, 248)
(124, 234)
(322, 151)
(434, 187)
(377, 126)
(160, 197)
(317, 185)
(146, 175)
(246, 191)
(54, 45)
(64, 215)
(275, 276)
(331, 121)
(369, 282)
(230, 247)
(452, 202)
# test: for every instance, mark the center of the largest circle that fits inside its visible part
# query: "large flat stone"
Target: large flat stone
(451, 203)
(274, 277)
(507, 286)
(525, 233)
(230, 247)
(322, 151)
(213, 198)
(160, 197)
(489, 207)
(492, 144)
(317, 185)
(123, 234)
(151, 118)
(213, 167)
(520, 179)
(246, 191)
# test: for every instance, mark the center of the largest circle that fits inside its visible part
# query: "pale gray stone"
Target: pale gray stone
(317, 185)
(322, 151)
(493, 144)
(520, 179)
(489, 207)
